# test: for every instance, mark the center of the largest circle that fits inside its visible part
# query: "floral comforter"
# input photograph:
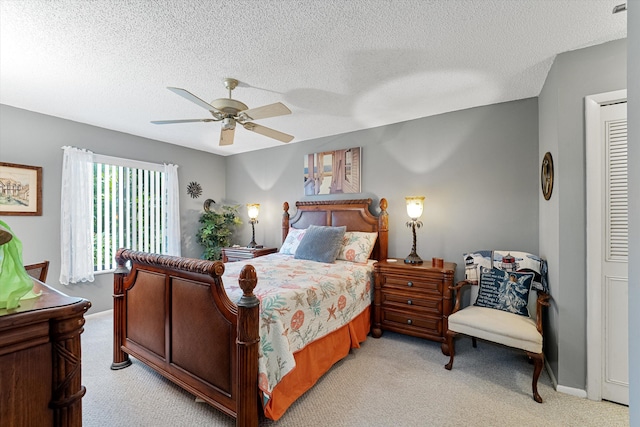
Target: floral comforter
(300, 301)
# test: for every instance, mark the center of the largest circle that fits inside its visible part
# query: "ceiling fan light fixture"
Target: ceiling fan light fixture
(228, 123)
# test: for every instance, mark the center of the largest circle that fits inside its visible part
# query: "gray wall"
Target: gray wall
(35, 139)
(573, 76)
(478, 169)
(633, 111)
(549, 211)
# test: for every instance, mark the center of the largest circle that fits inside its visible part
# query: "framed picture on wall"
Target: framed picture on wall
(332, 172)
(20, 189)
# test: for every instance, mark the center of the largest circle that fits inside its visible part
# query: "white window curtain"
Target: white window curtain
(171, 202)
(76, 227)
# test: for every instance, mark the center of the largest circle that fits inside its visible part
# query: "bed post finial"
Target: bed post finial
(120, 358)
(248, 280)
(285, 221)
(248, 338)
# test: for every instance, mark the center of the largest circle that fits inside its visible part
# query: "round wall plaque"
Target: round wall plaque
(546, 176)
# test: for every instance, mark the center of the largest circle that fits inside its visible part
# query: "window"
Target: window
(108, 203)
(127, 209)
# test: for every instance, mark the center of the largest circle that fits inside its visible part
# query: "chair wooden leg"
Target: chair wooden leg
(538, 362)
(452, 351)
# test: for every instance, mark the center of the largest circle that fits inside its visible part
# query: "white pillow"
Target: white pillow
(357, 246)
(292, 241)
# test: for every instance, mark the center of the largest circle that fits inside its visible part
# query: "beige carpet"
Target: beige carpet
(392, 381)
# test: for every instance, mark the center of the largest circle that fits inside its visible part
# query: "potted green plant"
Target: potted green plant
(217, 230)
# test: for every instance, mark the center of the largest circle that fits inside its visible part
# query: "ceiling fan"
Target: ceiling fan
(230, 112)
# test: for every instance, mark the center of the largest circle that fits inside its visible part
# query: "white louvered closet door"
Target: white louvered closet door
(615, 375)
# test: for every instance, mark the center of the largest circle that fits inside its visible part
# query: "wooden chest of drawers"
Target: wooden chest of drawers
(413, 299)
(40, 360)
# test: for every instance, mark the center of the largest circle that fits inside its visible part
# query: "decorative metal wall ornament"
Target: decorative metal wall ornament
(194, 190)
(207, 204)
(546, 176)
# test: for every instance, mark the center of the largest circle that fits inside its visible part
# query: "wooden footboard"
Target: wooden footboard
(173, 314)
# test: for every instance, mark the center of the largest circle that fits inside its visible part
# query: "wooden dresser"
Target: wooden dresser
(241, 252)
(40, 360)
(413, 299)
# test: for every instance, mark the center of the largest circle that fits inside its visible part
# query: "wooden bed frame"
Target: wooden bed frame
(173, 314)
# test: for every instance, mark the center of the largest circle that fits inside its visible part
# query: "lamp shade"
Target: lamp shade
(414, 206)
(253, 210)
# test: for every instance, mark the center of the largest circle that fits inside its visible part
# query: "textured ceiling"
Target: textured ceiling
(339, 65)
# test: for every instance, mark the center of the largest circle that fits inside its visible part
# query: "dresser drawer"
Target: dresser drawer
(421, 284)
(240, 253)
(234, 258)
(411, 301)
(409, 322)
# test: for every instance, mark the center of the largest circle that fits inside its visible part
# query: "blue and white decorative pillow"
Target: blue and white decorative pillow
(473, 261)
(504, 290)
(523, 262)
(291, 243)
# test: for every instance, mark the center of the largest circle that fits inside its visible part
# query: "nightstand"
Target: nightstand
(413, 299)
(239, 253)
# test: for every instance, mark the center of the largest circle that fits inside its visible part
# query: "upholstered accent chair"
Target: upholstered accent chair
(38, 271)
(508, 293)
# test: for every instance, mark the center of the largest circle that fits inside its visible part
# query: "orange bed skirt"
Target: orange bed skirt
(315, 360)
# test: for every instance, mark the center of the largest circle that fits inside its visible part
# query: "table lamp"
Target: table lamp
(414, 210)
(253, 210)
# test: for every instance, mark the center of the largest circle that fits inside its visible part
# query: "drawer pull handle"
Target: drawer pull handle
(409, 322)
(409, 284)
(409, 302)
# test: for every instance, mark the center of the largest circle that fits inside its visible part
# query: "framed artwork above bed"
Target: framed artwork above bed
(332, 172)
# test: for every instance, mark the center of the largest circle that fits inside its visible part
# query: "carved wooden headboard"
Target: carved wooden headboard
(354, 214)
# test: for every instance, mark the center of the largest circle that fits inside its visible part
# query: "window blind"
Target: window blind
(128, 212)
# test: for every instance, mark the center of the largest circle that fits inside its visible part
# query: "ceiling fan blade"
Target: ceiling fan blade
(226, 136)
(191, 97)
(271, 110)
(168, 122)
(271, 133)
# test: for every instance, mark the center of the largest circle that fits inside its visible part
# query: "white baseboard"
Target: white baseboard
(572, 391)
(562, 389)
(99, 314)
(550, 372)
